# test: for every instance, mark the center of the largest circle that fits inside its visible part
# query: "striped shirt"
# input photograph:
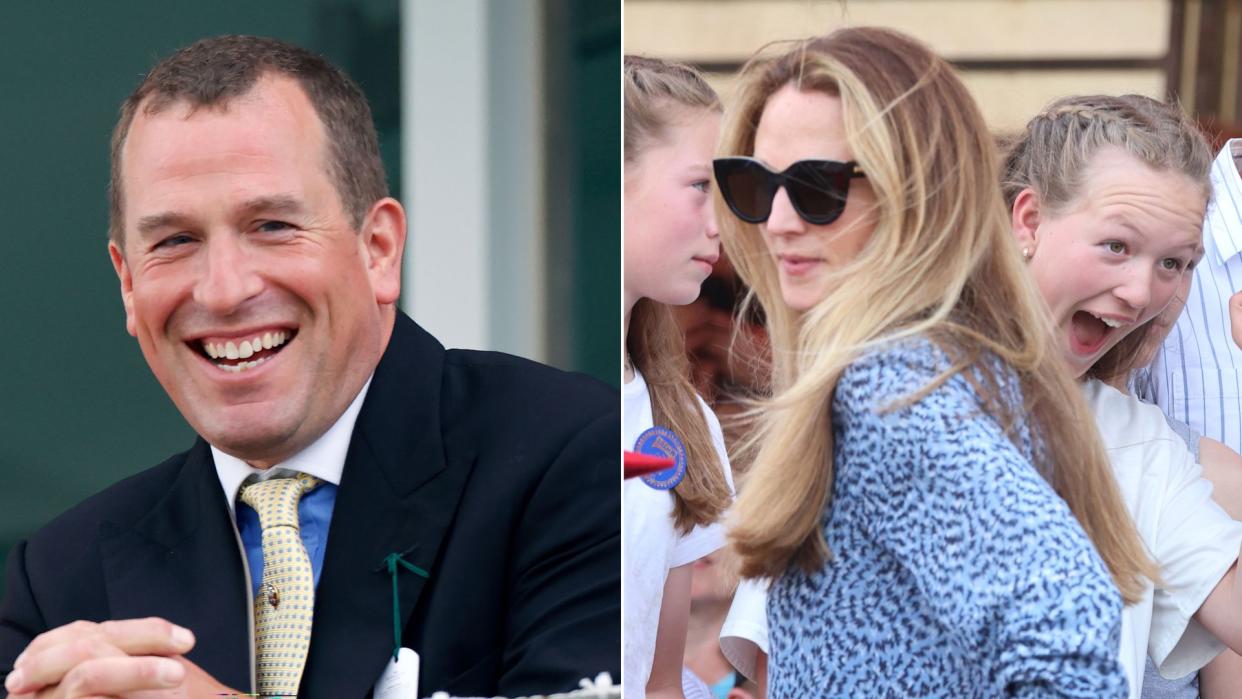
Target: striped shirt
(1197, 375)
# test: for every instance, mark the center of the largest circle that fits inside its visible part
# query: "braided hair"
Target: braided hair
(1053, 152)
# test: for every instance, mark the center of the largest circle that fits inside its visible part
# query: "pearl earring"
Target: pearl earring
(1026, 253)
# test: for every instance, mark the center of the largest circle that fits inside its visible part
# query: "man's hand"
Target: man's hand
(134, 657)
(1235, 317)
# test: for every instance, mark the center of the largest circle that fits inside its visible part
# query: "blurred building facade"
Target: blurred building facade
(1014, 55)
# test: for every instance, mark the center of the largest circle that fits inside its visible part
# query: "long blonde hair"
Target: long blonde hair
(939, 264)
(1052, 154)
(656, 92)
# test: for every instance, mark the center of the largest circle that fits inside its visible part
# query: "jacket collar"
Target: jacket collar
(398, 494)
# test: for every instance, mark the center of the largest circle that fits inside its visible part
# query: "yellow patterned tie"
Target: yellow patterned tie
(286, 599)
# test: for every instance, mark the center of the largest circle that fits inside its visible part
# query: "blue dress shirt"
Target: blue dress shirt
(314, 515)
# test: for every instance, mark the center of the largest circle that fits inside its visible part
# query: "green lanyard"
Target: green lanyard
(391, 560)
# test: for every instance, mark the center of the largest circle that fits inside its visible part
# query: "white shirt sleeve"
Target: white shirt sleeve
(745, 631)
(1191, 538)
(1196, 545)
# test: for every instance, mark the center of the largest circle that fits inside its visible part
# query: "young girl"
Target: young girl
(671, 122)
(1107, 197)
(900, 496)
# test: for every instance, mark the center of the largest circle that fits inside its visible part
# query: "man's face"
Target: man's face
(257, 305)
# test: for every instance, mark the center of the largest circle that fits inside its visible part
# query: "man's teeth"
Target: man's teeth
(246, 348)
(242, 366)
(1109, 321)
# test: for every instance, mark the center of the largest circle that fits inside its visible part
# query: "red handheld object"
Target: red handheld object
(637, 464)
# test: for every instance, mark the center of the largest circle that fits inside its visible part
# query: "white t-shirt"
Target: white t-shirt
(651, 544)
(1192, 539)
(1184, 530)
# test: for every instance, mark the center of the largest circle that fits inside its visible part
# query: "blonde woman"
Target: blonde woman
(904, 493)
(672, 119)
(1108, 197)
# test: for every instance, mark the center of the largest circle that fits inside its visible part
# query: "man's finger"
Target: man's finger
(50, 656)
(48, 667)
(151, 635)
(118, 675)
(56, 636)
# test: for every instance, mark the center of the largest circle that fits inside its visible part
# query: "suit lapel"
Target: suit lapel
(397, 495)
(182, 562)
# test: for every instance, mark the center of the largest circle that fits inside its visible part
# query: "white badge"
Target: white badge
(400, 678)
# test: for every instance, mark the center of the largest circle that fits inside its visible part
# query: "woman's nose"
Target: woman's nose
(784, 219)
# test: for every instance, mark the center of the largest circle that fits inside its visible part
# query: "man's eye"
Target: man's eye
(272, 226)
(174, 240)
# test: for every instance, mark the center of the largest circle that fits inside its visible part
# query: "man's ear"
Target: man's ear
(127, 284)
(1025, 218)
(383, 240)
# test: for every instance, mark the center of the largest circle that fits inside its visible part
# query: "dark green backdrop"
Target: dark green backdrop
(78, 408)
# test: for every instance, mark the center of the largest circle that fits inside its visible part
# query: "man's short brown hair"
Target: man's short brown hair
(211, 72)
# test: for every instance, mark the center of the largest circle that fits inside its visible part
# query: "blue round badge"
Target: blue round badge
(660, 441)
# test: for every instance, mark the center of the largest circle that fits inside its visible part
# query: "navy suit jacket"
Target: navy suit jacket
(497, 475)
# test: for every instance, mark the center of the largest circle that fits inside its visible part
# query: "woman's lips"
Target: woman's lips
(796, 265)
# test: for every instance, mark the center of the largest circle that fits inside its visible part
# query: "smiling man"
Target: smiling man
(354, 483)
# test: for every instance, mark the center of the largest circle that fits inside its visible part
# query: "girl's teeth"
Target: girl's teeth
(1109, 321)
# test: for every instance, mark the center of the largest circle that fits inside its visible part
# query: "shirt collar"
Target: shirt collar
(323, 459)
(1224, 226)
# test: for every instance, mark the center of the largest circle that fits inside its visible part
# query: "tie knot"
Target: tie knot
(276, 499)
